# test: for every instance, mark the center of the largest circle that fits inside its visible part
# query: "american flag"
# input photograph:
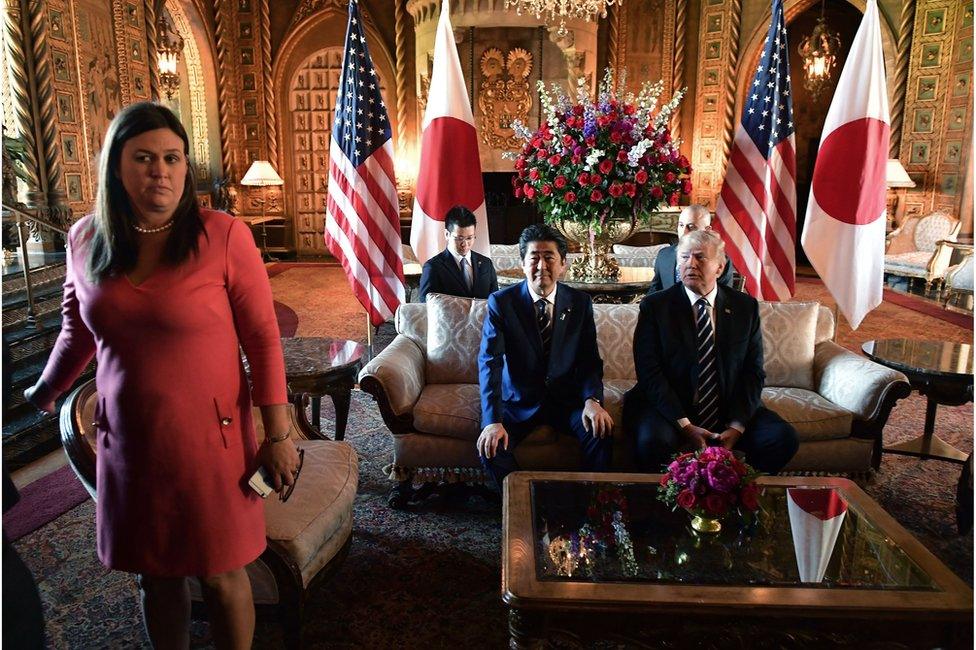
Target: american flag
(362, 228)
(757, 206)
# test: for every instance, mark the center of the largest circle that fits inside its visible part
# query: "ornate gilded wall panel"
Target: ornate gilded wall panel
(938, 117)
(718, 46)
(648, 37)
(311, 105)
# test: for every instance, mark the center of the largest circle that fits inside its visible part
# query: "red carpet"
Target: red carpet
(43, 501)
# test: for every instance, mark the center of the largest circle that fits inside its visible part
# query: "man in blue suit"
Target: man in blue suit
(458, 270)
(539, 362)
(692, 218)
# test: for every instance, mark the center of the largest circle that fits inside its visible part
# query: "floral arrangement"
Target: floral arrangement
(709, 483)
(592, 160)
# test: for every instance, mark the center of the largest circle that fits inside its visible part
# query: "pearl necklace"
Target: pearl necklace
(149, 231)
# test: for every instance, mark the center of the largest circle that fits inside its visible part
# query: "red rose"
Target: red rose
(683, 161)
(591, 141)
(656, 191)
(518, 192)
(554, 159)
(522, 173)
(616, 137)
(537, 142)
(674, 198)
(666, 137)
(640, 177)
(541, 154)
(687, 499)
(616, 189)
(595, 179)
(596, 195)
(576, 159)
(749, 497)
(534, 174)
(577, 110)
(520, 163)
(568, 140)
(559, 181)
(665, 478)
(629, 109)
(583, 178)
(670, 177)
(630, 189)
(686, 186)
(606, 166)
(715, 504)
(569, 197)
(529, 191)
(621, 156)
(547, 189)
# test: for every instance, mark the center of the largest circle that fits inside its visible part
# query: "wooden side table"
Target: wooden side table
(318, 366)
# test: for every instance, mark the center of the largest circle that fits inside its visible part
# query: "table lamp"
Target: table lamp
(262, 174)
(897, 178)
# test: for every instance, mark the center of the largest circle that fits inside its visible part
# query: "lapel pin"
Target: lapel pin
(728, 311)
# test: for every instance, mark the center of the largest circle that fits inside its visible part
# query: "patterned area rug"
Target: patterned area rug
(430, 577)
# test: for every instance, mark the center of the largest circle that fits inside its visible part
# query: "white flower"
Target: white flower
(593, 158)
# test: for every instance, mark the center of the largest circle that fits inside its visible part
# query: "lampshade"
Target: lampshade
(261, 173)
(896, 176)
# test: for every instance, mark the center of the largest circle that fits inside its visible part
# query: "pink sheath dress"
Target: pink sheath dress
(176, 443)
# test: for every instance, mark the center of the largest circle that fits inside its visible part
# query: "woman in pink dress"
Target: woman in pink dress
(165, 294)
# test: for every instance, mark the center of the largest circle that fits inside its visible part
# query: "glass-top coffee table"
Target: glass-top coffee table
(597, 554)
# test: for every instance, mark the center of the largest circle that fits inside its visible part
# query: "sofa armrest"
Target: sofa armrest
(864, 387)
(395, 378)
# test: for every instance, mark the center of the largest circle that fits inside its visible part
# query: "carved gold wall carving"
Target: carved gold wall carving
(223, 21)
(648, 39)
(718, 48)
(14, 46)
(899, 84)
(504, 95)
(678, 70)
(938, 117)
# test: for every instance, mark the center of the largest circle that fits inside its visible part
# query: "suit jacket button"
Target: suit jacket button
(225, 421)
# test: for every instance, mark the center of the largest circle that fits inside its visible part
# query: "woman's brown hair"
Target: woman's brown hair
(112, 244)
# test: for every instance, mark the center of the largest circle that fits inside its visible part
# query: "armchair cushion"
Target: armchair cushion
(320, 509)
(789, 330)
(913, 264)
(453, 337)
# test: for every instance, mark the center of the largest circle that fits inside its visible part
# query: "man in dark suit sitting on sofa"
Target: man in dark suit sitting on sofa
(692, 218)
(458, 270)
(698, 353)
(539, 362)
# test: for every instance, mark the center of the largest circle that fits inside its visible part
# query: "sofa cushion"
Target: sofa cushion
(453, 338)
(789, 330)
(452, 410)
(639, 256)
(813, 417)
(615, 335)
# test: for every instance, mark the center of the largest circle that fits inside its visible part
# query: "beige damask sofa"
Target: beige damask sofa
(426, 385)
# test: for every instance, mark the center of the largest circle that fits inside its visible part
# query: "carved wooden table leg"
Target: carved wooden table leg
(526, 629)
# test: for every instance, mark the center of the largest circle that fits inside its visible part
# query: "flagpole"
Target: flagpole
(369, 335)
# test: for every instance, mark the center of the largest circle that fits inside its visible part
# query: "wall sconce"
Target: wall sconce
(897, 178)
(169, 46)
(819, 54)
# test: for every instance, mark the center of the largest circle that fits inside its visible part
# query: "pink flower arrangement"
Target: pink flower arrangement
(710, 483)
(595, 159)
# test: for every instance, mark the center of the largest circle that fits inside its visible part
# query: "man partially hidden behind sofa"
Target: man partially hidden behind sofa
(539, 363)
(458, 270)
(692, 218)
(698, 353)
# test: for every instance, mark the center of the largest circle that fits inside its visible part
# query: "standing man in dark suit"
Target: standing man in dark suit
(539, 362)
(692, 218)
(458, 270)
(698, 353)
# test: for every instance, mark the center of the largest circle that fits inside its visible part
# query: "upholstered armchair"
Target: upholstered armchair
(918, 248)
(308, 537)
(640, 256)
(959, 278)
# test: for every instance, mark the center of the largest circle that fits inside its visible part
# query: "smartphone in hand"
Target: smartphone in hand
(261, 482)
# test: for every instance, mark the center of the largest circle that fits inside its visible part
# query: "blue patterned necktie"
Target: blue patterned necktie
(544, 322)
(707, 369)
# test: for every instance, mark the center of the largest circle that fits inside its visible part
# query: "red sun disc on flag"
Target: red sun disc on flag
(849, 178)
(455, 177)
